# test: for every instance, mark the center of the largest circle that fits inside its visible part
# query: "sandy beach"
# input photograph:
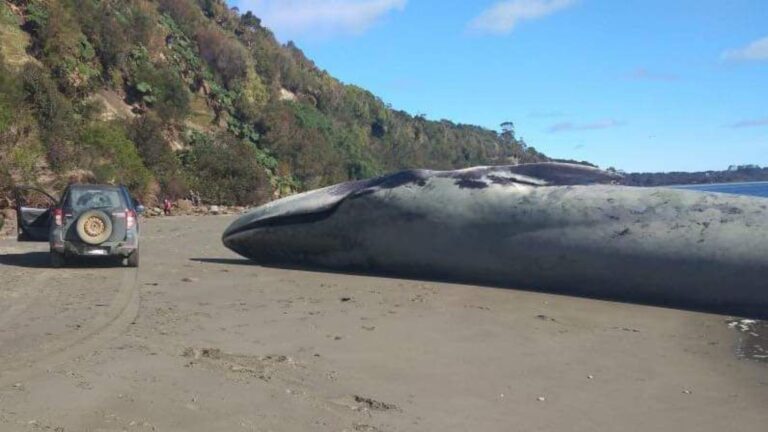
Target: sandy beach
(198, 339)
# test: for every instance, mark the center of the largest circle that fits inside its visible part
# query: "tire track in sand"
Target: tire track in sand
(122, 311)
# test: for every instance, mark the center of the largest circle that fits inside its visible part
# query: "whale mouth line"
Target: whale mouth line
(341, 192)
(285, 220)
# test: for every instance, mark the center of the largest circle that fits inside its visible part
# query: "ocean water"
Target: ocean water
(759, 189)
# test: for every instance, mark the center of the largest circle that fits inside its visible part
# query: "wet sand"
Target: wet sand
(753, 339)
(199, 340)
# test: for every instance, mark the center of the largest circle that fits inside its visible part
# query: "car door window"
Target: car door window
(29, 198)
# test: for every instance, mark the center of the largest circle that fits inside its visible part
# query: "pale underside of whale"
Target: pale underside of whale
(551, 227)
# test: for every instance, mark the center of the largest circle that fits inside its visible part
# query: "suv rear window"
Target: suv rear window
(92, 198)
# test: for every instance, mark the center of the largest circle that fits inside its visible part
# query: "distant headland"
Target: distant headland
(734, 174)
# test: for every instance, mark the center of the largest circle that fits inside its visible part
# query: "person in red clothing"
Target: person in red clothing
(167, 207)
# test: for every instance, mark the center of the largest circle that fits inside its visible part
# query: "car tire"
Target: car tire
(58, 259)
(100, 220)
(133, 259)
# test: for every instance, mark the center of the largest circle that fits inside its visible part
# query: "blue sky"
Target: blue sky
(642, 85)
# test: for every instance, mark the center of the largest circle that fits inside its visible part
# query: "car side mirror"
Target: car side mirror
(140, 209)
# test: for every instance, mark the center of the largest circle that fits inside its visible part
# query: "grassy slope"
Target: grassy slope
(219, 106)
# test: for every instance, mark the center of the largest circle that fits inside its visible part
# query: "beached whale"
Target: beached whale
(553, 227)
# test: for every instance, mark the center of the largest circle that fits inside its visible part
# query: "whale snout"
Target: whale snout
(296, 209)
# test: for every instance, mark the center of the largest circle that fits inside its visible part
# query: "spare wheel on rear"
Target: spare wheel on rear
(94, 227)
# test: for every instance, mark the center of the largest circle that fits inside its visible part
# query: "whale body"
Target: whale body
(552, 227)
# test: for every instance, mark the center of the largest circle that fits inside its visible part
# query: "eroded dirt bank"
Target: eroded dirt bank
(200, 340)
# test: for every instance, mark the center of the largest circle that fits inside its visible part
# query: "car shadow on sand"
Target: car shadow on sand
(28, 260)
(42, 260)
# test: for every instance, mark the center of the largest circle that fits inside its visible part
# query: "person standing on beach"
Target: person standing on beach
(167, 207)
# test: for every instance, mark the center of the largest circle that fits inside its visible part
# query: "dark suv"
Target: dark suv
(88, 220)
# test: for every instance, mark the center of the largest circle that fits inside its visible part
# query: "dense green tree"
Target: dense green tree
(225, 170)
(106, 150)
(161, 88)
(55, 114)
(224, 54)
(63, 47)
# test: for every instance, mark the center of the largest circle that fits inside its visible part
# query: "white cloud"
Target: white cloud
(320, 17)
(504, 16)
(757, 50)
(750, 123)
(570, 127)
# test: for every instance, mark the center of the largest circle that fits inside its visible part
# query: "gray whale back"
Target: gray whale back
(551, 227)
(311, 205)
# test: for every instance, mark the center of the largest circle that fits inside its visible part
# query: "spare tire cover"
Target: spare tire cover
(94, 227)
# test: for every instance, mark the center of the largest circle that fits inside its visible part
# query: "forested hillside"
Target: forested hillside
(169, 96)
(734, 174)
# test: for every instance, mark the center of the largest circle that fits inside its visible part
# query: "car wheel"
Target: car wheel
(58, 259)
(94, 227)
(133, 259)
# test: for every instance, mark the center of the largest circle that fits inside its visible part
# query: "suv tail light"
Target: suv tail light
(58, 216)
(130, 218)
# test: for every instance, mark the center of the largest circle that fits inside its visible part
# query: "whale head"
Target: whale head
(316, 205)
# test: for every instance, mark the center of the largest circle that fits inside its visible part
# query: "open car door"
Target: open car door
(33, 213)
